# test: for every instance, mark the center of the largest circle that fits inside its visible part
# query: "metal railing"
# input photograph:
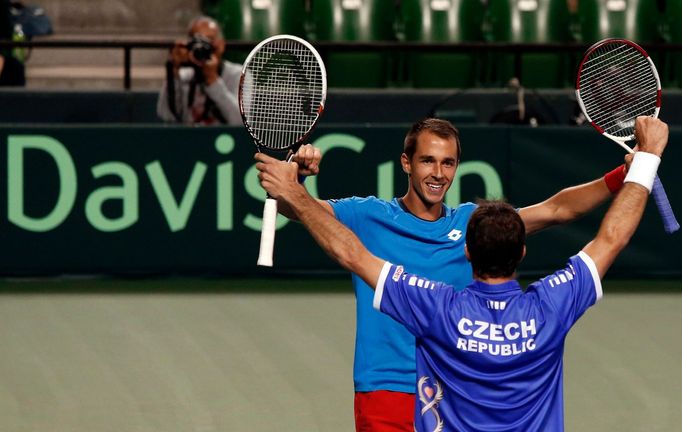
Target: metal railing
(516, 49)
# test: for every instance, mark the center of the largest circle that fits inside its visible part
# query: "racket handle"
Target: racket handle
(669, 222)
(267, 233)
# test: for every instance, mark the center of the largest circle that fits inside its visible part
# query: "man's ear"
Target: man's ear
(405, 162)
(523, 254)
(466, 252)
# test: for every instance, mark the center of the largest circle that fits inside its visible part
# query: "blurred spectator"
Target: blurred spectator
(12, 71)
(200, 87)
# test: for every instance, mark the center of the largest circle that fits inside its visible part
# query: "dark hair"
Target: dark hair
(495, 239)
(438, 127)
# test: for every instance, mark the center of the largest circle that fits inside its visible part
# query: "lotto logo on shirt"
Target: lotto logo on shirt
(496, 339)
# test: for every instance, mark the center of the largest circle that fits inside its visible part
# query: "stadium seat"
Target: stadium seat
(672, 32)
(246, 19)
(447, 21)
(293, 17)
(255, 20)
(637, 20)
(355, 21)
(528, 21)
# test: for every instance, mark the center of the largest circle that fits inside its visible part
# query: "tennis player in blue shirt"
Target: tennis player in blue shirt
(419, 230)
(488, 357)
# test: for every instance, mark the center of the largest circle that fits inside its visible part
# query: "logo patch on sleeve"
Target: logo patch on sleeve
(559, 278)
(396, 273)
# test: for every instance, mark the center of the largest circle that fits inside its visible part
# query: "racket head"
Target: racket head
(282, 92)
(616, 82)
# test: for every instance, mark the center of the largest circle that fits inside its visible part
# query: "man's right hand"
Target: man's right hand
(276, 177)
(651, 135)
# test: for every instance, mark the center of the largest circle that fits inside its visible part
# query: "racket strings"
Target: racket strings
(599, 58)
(637, 77)
(617, 84)
(616, 107)
(282, 93)
(626, 119)
(640, 81)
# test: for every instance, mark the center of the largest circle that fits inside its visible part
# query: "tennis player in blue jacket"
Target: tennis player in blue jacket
(418, 229)
(489, 357)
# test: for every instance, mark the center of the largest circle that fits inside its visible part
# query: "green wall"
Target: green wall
(154, 199)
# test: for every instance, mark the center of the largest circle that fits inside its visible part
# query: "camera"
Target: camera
(200, 47)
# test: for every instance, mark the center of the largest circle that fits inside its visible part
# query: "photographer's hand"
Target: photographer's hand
(209, 68)
(178, 54)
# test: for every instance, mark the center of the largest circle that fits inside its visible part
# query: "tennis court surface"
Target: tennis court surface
(252, 355)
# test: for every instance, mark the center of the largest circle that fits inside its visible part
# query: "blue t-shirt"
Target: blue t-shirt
(490, 357)
(384, 349)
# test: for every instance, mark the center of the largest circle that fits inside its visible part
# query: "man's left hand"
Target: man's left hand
(308, 158)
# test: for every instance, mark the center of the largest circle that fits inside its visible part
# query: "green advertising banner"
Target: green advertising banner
(179, 200)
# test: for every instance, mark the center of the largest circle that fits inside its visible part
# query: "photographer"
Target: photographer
(200, 87)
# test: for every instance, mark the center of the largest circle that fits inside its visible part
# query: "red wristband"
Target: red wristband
(614, 179)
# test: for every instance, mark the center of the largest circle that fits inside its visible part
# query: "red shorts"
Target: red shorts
(384, 411)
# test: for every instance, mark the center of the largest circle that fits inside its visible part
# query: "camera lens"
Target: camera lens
(200, 47)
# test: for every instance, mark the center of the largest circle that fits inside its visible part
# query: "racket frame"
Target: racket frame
(268, 228)
(670, 223)
(618, 140)
(323, 72)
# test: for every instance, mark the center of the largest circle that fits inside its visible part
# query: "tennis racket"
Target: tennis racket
(617, 82)
(282, 92)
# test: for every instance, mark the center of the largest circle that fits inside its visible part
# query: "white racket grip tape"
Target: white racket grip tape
(267, 233)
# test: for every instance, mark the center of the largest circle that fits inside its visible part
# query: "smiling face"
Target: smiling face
(431, 170)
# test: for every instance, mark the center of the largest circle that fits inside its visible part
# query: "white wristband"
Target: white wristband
(643, 169)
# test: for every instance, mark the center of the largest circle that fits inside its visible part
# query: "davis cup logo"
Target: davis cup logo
(430, 396)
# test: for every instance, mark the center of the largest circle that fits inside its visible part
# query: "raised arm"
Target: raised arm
(626, 211)
(574, 202)
(565, 206)
(279, 179)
